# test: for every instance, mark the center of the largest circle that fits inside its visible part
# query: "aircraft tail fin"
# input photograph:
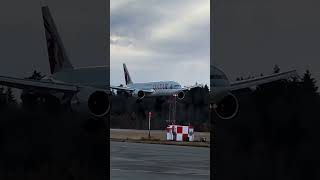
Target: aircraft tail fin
(58, 58)
(126, 75)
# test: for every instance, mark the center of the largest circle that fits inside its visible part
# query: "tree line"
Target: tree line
(127, 112)
(276, 133)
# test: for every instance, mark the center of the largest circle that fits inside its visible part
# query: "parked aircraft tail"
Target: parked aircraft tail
(58, 58)
(126, 75)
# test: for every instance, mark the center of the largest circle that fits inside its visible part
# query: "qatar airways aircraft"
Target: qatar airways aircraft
(81, 89)
(150, 89)
(224, 102)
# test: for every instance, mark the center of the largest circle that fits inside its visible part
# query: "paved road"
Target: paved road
(154, 161)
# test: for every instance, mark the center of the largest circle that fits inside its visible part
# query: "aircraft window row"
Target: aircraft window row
(162, 86)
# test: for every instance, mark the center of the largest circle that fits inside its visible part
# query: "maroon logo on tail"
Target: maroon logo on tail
(126, 77)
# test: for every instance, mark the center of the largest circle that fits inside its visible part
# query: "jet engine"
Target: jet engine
(139, 94)
(95, 101)
(181, 95)
(228, 107)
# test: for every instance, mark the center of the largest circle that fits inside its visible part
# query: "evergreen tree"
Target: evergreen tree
(309, 84)
(36, 76)
(276, 69)
(10, 97)
(2, 96)
(206, 88)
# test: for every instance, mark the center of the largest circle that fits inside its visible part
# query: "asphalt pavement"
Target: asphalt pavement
(155, 161)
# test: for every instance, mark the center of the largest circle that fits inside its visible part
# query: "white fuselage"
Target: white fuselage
(160, 88)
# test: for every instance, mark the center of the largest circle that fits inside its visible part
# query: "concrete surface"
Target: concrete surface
(154, 161)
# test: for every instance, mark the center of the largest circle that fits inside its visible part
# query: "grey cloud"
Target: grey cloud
(138, 20)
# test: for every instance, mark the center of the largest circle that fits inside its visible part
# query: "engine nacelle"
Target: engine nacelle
(95, 101)
(228, 107)
(139, 94)
(181, 95)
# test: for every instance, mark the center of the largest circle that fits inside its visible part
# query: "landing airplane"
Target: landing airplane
(81, 89)
(224, 102)
(150, 89)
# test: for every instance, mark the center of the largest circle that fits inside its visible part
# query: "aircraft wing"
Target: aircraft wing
(122, 88)
(147, 91)
(188, 88)
(36, 84)
(261, 80)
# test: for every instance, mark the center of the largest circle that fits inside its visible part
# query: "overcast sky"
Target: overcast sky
(165, 39)
(250, 36)
(160, 40)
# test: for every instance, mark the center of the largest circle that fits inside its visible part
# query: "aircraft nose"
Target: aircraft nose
(218, 78)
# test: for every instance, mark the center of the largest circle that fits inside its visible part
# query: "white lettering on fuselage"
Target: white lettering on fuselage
(165, 86)
(157, 87)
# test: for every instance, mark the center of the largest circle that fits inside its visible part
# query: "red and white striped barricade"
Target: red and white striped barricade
(180, 133)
